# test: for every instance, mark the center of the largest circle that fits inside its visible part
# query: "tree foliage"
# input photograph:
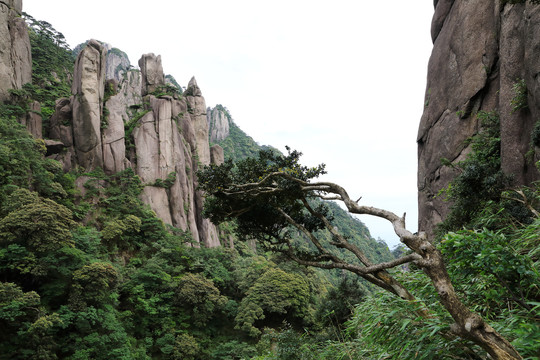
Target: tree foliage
(274, 293)
(52, 65)
(22, 163)
(200, 297)
(271, 194)
(480, 177)
(94, 274)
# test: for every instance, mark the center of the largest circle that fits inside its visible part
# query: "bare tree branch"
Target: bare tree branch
(524, 200)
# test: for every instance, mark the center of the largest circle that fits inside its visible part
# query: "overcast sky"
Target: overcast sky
(341, 81)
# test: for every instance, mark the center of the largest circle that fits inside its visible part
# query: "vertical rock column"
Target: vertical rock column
(515, 152)
(197, 109)
(152, 73)
(114, 146)
(516, 126)
(162, 149)
(148, 140)
(15, 54)
(87, 103)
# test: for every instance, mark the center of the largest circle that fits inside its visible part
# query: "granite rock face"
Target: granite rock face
(197, 110)
(61, 129)
(113, 106)
(217, 156)
(196, 107)
(114, 147)
(481, 50)
(117, 64)
(218, 124)
(15, 54)
(152, 73)
(87, 105)
(34, 122)
(161, 152)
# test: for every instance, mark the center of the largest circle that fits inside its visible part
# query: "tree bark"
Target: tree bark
(467, 324)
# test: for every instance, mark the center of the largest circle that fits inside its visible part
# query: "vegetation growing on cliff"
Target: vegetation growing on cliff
(92, 273)
(52, 65)
(480, 179)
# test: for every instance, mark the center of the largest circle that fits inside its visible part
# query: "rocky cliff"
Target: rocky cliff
(119, 117)
(486, 54)
(218, 123)
(15, 55)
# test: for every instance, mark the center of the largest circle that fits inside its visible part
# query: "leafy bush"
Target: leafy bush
(275, 292)
(52, 66)
(519, 101)
(22, 163)
(480, 179)
(199, 297)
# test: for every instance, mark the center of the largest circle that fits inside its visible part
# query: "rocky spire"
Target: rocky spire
(152, 73)
(87, 104)
(218, 124)
(117, 64)
(170, 137)
(197, 110)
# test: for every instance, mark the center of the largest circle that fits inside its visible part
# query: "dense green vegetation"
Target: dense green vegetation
(493, 264)
(52, 66)
(97, 275)
(91, 273)
(238, 145)
(480, 179)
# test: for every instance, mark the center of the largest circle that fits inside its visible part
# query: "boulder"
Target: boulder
(60, 128)
(217, 156)
(54, 147)
(60, 122)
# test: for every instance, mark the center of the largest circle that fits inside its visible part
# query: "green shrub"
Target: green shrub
(519, 101)
(480, 179)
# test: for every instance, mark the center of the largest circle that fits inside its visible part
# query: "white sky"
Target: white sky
(341, 81)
